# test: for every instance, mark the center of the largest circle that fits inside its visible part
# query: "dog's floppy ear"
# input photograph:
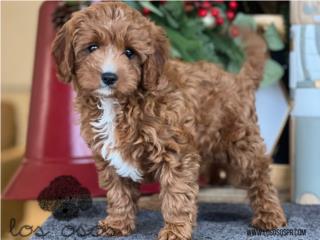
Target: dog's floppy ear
(154, 64)
(63, 53)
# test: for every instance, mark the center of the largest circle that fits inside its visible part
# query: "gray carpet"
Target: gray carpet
(215, 221)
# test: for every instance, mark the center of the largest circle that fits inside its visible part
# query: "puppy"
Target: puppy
(146, 115)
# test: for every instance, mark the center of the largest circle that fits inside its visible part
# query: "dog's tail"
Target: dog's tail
(256, 50)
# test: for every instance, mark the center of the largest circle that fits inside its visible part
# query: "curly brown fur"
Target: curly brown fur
(162, 117)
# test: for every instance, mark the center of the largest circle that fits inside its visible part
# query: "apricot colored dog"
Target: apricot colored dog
(146, 115)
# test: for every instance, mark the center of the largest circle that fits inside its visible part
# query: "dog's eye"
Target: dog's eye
(92, 48)
(129, 53)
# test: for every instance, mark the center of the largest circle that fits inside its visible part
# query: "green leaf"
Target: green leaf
(191, 28)
(245, 21)
(175, 52)
(175, 8)
(72, 3)
(151, 7)
(133, 4)
(184, 45)
(172, 22)
(273, 72)
(273, 39)
(227, 46)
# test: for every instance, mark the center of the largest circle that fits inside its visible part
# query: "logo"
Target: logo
(65, 198)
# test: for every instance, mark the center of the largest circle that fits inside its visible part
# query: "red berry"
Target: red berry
(188, 7)
(219, 20)
(234, 31)
(233, 5)
(215, 12)
(146, 11)
(162, 2)
(230, 15)
(202, 12)
(206, 4)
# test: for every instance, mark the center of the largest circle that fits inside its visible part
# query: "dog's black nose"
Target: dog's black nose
(109, 78)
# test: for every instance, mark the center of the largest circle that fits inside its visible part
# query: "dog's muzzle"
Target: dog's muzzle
(109, 78)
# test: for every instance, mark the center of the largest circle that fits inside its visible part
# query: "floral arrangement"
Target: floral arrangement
(202, 30)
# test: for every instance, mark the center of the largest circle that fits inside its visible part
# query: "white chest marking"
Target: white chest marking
(104, 128)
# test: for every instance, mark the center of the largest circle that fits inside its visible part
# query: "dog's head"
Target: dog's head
(110, 48)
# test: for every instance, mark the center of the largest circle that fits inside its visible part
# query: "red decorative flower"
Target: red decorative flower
(215, 12)
(202, 12)
(230, 15)
(233, 5)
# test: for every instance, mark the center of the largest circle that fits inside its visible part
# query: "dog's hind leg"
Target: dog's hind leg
(122, 196)
(247, 156)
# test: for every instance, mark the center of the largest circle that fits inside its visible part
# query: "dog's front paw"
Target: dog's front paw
(269, 221)
(175, 232)
(109, 227)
